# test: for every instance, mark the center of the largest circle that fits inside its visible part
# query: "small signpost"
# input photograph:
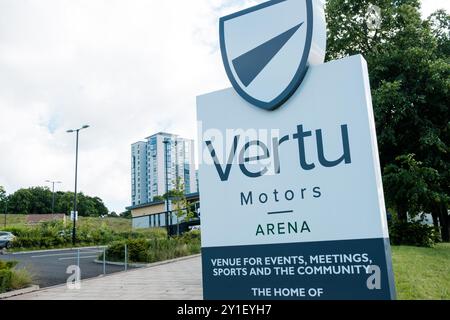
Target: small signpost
(73, 216)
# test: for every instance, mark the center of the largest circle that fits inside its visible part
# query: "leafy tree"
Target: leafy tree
(20, 201)
(3, 197)
(158, 198)
(63, 202)
(410, 185)
(126, 214)
(180, 204)
(408, 61)
(38, 200)
(440, 26)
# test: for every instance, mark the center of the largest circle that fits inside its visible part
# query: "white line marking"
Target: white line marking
(56, 250)
(63, 254)
(73, 258)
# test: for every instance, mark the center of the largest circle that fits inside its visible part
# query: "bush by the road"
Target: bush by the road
(155, 249)
(54, 234)
(11, 278)
(413, 234)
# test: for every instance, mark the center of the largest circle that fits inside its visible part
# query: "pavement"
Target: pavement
(179, 279)
(48, 268)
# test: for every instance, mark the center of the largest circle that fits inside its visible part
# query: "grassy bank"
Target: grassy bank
(422, 273)
(117, 224)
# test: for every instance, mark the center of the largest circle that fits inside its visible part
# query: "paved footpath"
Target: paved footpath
(177, 280)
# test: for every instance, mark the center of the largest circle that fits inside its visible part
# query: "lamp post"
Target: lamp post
(6, 210)
(75, 193)
(166, 144)
(53, 193)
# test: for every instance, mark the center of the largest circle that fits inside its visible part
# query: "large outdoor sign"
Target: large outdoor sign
(291, 192)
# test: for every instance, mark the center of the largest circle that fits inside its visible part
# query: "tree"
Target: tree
(20, 201)
(410, 186)
(126, 214)
(158, 198)
(410, 79)
(440, 26)
(3, 198)
(38, 200)
(180, 204)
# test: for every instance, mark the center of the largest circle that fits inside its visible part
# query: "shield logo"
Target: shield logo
(267, 49)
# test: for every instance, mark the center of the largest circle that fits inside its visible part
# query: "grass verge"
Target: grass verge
(422, 273)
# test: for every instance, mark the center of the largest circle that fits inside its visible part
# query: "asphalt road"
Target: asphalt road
(49, 268)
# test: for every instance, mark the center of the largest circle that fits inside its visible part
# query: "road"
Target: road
(48, 268)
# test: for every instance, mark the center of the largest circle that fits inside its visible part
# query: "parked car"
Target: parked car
(6, 239)
(193, 228)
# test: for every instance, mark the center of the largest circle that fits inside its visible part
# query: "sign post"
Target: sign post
(73, 216)
(292, 197)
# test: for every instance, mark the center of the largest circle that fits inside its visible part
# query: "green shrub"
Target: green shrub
(7, 265)
(12, 279)
(115, 251)
(155, 249)
(53, 234)
(20, 278)
(5, 280)
(413, 234)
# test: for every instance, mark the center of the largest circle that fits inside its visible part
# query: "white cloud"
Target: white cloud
(430, 6)
(128, 68)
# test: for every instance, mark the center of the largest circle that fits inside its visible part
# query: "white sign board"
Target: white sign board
(292, 199)
(72, 216)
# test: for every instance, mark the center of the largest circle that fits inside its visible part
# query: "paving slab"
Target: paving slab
(177, 280)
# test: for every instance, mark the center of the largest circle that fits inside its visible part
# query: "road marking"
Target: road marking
(63, 254)
(73, 258)
(56, 250)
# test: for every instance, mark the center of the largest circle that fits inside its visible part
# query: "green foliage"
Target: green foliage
(126, 214)
(411, 187)
(413, 233)
(158, 198)
(180, 205)
(409, 67)
(38, 200)
(5, 280)
(440, 26)
(147, 250)
(422, 273)
(12, 279)
(90, 231)
(2, 199)
(7, 265)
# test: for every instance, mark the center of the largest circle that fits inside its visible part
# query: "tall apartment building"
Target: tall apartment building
(148, 166)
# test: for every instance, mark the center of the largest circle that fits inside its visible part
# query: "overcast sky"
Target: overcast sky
(128, 68)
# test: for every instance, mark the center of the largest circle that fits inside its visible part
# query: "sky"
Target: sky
(128, 68)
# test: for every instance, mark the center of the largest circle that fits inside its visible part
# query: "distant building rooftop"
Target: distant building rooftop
(162, 134)
(190, 196)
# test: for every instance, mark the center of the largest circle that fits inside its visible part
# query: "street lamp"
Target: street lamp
(76, 172)
(6, 210)
(53, 193)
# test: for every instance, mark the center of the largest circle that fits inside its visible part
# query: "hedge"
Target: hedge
(156, 249)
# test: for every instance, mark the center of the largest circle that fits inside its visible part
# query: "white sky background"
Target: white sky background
(128, 68)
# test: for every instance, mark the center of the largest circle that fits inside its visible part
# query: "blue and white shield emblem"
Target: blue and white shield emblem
(267, 49)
